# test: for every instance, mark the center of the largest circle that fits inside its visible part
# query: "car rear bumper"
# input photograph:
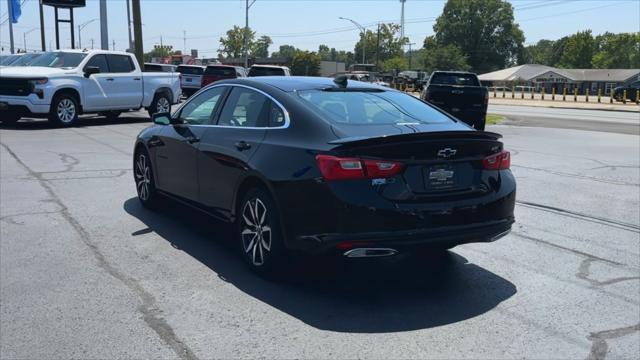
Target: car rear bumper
(408, 240)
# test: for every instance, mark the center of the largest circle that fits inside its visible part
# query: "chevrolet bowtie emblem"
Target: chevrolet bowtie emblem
(447, 153)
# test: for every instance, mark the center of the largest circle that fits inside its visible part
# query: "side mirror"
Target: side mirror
(161, 118)
(90, 70)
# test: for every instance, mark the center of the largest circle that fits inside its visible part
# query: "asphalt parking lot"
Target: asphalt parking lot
(86, 272)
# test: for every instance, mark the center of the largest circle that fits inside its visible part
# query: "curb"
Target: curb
(571, 107)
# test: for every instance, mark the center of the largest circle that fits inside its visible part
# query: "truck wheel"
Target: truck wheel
(160, 104)
(64, 110)
(9, 117)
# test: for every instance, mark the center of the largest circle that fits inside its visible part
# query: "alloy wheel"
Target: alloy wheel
(143, 177)
(66, 110)
(256, 232)
(163, 105)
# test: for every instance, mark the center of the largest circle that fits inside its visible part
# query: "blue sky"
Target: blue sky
(308, 23)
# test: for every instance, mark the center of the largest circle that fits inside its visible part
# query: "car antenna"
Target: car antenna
(341, 81)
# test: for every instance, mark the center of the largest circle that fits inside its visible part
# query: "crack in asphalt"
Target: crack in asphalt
(10, 218)
(150, 312)
(120, 173)
(599, 346)
(581, 216)
(578, 176)
(574, 251)
(70, 161)
(584, 272)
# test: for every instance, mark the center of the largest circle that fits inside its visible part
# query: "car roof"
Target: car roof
(222, 65)
(293, 83)
(193, 66)
(269, 66)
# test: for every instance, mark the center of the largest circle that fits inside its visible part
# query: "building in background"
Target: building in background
(546, 77)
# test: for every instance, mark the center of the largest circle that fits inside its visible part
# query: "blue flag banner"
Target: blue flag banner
(15, 11)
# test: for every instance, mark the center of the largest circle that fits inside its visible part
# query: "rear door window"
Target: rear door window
(120, 63)
(244, 108)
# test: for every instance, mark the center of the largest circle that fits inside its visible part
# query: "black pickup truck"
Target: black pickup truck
(459, 94)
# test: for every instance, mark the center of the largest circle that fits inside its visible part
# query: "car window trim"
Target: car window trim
(214, 114)
(287, 120)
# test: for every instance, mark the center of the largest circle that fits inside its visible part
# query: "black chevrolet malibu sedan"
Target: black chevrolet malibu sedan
(327, 166)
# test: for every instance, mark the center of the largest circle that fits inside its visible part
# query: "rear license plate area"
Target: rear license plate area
(440, 177)
(188, 79)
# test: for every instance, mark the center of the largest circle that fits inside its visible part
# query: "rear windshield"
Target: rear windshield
(59, 59)
(190, 70)
(220, 71)
(266, 71)
(152, 68)
(454, 79)
(372, 108)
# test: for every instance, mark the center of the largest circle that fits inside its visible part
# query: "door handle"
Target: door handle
(243, 145)
(136, 79)
(109, 79)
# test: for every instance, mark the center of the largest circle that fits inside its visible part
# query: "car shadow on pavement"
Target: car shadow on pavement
(334, 294)
(83, 121)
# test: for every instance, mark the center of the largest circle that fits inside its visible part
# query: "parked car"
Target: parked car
(191, 79)
(632, 91)
(460, 94)
(151, 67)
(269, 70)
(61, 85)
(214, 73)
(327, 166)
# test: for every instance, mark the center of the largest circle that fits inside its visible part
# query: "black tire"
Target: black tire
(64, 110)
(9, 117)
(161, 103)
(480, 124)
(143, 177)
(263, 253)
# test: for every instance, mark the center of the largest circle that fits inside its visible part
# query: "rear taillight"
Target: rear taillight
(337, 168)
(499, 161)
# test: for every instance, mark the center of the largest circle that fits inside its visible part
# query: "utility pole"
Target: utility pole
(129, 26)
(104, 31)
(24, 37)
(92, 44)
(42, 40)
(378, 50)
(114, 45)
(184, 42)
(246, 32)
(137, 31)
(10, 26)
(364, 34)
(402, 19)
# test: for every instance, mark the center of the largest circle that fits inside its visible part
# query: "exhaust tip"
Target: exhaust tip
(370, 252)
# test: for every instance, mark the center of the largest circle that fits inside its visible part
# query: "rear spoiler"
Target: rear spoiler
(364, 140)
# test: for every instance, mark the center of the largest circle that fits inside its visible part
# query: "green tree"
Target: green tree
(397, 63)
(305, 63)
(484, 30)
(390, 44)
(158, 52)
(541, 53)
(232, 45)
(260, 48)
(578, 51)
(325, 53)
(443, 57)
(617, 51)
(285, 51)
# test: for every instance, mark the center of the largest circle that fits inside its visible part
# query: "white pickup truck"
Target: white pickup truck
(63, 84)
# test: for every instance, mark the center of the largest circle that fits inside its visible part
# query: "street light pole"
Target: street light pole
(24, 37)
(80, 27)
(364, 34)
(246, 32)
(410, 54)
